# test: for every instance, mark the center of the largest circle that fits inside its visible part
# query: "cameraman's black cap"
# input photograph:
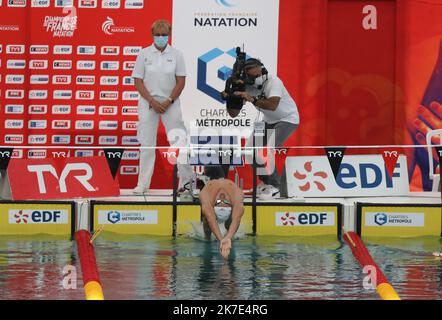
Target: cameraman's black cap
(251, 63)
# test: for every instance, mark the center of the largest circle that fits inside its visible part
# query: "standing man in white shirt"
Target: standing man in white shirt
(280, 116)
(160, 76)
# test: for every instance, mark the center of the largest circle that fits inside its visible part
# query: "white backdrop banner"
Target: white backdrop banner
(208, 32)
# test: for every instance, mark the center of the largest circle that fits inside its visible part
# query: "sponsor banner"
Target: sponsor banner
(358, 176)
(61, 79)
(38, 94)
(108, 140)
(132, 51)
(14, 109)
(129, 141)
(131, 155)
(39, 79)
(110, 50)
(15, 79)
(399, 220)
(128, 81)
(303, 220)
(108, 95)
(84, 95)
(15, 49)
(61, 109)
(37, 218)
(37, 139)
(16, 64)
(134, 4)
(129, 111)
(61, 124)
(84, 153)
(87, 3)
(129, 170)
(58, 178)
(38, 64)
(44, 216)
(16, 3)
(110, 65)
(109, 80)
(84, 139)
(314, 219)
(40, 3)
(220, 27)
(15, 94)
(61, 139)
(14, 124)
(37, 109)
(13, 139)
(394, 219)
(85, 80)
(62, 94)
(84, 124)
(107, 110)
(111, 4)
(131, 95)
(62, 64)
(130, 125)
(108, 125)
(86, 65)
(90, 110)
(37, 124)
(133, 218)
(129, 65)
(39, 49)
(17, 154)
(62, 49)
(37, 154)
(128, 217)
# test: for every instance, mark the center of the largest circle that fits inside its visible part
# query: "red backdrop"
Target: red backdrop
(352, 86)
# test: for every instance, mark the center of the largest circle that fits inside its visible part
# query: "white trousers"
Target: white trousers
(147, 136)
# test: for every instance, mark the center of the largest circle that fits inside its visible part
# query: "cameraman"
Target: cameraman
(280, 113)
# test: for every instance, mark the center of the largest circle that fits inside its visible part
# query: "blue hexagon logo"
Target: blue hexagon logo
(223, 73)
(380, 218)
(114, 216)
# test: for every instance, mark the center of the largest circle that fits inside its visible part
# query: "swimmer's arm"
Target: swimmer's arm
(237, 213)
(209, 213)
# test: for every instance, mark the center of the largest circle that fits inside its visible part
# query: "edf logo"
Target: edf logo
(380, 219)
(114, 216)
(46, 216)
(205, 63)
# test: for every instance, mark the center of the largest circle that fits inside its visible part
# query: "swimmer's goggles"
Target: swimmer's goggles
(225, 201)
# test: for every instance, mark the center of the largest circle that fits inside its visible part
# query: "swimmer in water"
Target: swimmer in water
(221, 202)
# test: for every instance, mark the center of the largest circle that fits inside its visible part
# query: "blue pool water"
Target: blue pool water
(259, 268)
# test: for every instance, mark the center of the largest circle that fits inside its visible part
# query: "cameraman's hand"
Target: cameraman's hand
(244, 95)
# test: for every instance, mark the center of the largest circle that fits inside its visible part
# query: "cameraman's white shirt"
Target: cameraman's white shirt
(158, 70)
(286, 111)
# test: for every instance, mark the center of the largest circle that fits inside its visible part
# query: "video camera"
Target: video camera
(237, 82)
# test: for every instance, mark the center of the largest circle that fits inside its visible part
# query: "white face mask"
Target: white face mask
(222, 213)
